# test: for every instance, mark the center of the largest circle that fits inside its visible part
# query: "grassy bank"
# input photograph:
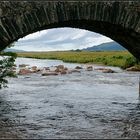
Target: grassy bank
(121, 59)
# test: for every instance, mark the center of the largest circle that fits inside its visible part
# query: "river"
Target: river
(89, 104)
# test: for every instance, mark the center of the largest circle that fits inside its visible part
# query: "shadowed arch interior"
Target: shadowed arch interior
(118, 20)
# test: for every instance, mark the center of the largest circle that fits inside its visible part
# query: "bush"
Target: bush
(6, 64)
(130, 61)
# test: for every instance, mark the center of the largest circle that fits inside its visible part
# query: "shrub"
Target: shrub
(130, 61)
(6, 64)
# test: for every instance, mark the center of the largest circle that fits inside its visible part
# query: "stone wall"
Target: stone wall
(117, 20)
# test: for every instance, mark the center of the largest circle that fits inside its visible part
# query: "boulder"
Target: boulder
(39, 71)
(60, 66)
(89, 68)
(105, 70)
(78, 67)
(36, 71)
(24, 71)
(46, 68)
(49, 73)
(61, 69)
(23, 65)
(133, 68)
(52, 68)
(58, 70)
(34, 68)
(100, 69)
(65, 68)
(63, 72)
(108, 71)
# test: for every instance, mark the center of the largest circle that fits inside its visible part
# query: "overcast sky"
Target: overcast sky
(60, 39)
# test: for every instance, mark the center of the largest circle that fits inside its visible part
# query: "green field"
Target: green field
(121, 59)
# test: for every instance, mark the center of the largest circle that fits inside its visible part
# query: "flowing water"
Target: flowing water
(89, 104)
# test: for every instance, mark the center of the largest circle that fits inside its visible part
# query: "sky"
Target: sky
(60, 39)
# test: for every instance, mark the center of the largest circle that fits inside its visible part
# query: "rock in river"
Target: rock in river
(49, 73)
(89, 68)
(34, 68)
(74, 70)
(108, 71)
(78, 67)
(63, 72)
(60, 66)
(23, 65)
(24, 71)
(105, 70)
(133, 68)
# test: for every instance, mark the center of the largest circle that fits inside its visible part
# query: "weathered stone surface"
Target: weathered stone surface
(89, 68)
(23, 65)
(78, 67)
(63, 72)
(105, 70)
(49, 73)
(119, 20)
(60, 67)
(34, 68)
(133, 68)
(24, 71)
(108, 71)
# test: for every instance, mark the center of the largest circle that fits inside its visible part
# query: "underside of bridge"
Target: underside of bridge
(118, 20)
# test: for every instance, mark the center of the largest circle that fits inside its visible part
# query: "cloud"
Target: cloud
(60, 39)
(34, 36)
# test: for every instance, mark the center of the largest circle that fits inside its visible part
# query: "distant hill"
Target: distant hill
(110, 46)
(13, 50)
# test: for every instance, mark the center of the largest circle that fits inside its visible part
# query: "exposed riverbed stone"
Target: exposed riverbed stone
(23, 65)
(34, 68)
(46, 68)
(49, 73)
(24, 71)
(108, 71)
(89, 68)
(105, 70)
(63, 72)
(134, 68)
(60, 67)
(78, 67)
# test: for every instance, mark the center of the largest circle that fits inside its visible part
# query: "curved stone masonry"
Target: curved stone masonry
(118, 20)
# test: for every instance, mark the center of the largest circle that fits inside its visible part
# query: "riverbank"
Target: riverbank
(121, 59)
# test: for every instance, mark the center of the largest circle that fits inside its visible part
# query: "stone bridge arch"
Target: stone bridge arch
(118, 20)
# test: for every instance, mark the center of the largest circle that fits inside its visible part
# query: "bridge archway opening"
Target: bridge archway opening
(114, 32)
(62, 39)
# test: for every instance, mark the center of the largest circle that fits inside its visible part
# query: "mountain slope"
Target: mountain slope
(110, 46)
